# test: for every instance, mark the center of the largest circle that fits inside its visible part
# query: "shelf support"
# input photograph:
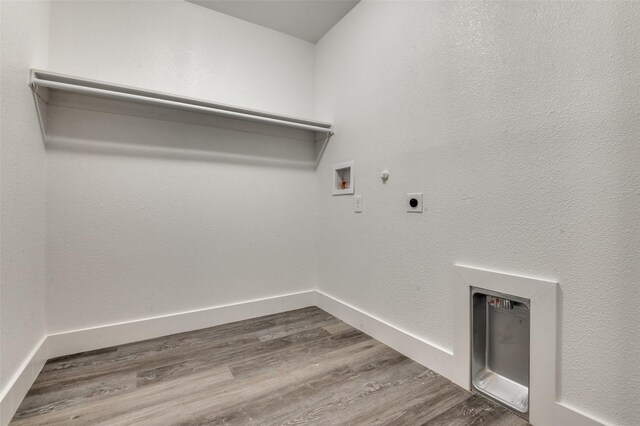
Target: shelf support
(37, 101)
(325, 142)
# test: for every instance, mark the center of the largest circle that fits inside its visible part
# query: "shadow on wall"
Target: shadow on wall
(90, 125)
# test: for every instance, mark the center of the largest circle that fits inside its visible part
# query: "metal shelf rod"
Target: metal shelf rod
(56, 85)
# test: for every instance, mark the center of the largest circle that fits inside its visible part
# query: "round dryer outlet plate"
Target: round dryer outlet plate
(413, 202)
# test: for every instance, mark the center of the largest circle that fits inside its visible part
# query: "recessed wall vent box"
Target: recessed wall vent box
(343, 178)
(500, 344)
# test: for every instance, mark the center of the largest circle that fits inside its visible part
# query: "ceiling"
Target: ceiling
(305, 19)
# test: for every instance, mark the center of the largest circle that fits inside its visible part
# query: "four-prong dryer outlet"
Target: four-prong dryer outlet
(414, 202)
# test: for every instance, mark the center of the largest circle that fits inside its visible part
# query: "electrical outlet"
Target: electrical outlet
(414, 202)
(358, 199)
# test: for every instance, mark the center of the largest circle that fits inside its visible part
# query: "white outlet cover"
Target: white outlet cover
(417, 196)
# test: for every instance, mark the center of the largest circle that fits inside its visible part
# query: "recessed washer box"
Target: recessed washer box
(343, 180)
(500, 348)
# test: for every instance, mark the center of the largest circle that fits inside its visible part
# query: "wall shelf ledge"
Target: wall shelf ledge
(44, 82)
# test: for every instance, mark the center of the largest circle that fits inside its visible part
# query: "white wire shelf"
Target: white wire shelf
(55, 81)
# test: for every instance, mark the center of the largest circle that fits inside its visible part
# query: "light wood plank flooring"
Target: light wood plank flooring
(298, 367)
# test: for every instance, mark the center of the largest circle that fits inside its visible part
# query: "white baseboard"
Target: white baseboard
(437, 359)
(566, 415)
(75, 341)
(15, 391)
(431, 356)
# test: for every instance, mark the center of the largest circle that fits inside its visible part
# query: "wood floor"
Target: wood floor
(298, 367)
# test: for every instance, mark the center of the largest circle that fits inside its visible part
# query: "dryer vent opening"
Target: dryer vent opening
(500, 348)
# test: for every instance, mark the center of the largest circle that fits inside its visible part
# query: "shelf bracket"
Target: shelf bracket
(37, 99)
(323, 147)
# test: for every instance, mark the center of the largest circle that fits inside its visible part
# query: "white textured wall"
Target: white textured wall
(24, 33)
(149, 217)
(178, 47)
(520, 122)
